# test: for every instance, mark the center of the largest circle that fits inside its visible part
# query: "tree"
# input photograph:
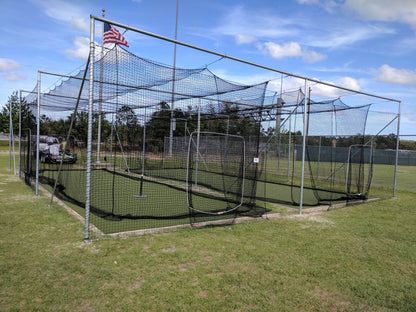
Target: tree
(228, 116)
(386, 141)
(128, 127)
(28, 119)
(158, 127)
(407, 145)
(80, 127)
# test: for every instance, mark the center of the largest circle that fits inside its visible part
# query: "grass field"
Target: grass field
(118, 209)
(358, 258)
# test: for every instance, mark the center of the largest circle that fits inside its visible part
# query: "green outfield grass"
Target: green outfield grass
(358, 258)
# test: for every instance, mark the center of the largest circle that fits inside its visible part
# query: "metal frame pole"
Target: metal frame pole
(37, 137)
(289, 148)
(11, 140)
(10, 135)
(173, 84)
(20, 130)
(319, 158)
(13, 151)
(305, 128)
(100, 102)
(197, 142)
(397, 151)
(144, 143)
(89, 140)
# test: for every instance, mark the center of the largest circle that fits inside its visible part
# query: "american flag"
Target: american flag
(112, 35)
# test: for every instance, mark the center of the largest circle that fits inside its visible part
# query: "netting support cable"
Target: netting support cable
(70, 130)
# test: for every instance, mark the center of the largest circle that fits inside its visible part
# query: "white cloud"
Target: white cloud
(350, 83)
(328, 5)
(59, 10)
(14, 76)
(384, 10)
(8, 65)
(260, 24)
(403, 11)
(410, 116)
(393, 75)
(80, 23)
(65, 11)
(321, 90)
(308, 1)
(312, 56)
(318, 90)
(342, 36)
(244, 38)
(291, 49)
(327, 91)
(81, 49)
(279, 52)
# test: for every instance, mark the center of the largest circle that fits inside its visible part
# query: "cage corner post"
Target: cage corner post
(397, 150)
(20, 133)
(37, 137)
(305, 130)
(10, 135)
(89, 136)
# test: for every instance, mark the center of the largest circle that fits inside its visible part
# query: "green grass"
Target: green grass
(359, 258)
(166, 206)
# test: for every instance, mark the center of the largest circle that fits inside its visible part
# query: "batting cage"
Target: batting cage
(131, 143)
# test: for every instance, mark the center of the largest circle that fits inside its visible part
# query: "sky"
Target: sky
(365, 45)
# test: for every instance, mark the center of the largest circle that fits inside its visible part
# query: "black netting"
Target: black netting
(151, 168)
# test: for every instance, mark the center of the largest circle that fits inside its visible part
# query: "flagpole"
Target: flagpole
(100, 95)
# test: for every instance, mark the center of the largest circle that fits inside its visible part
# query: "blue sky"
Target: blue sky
(368, 45)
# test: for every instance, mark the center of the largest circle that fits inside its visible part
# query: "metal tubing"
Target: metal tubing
(319, 158)
(69, 131)
(37, 138)
(173, 84)
(20, 128)
(397, 151)
(197, 142)
(305, 128)
(10, 134)
(289, 149)
(89, 140)
(144, 143)
(13, 151)
(100, 102)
